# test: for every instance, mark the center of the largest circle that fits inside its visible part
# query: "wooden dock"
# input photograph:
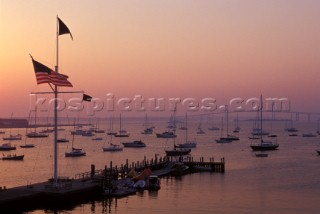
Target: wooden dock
(90, 184)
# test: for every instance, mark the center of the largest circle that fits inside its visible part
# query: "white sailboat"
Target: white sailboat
(122, 132)
(75, 152)
(176, 151)
(112, 147)
(200, 130)
(148, 129)
(11, 136)
(171, 130)
(35, 134)
(110, 130)
(263, 145)
(212, 127)
(27, 145)
(188, 143)
(291, 129)
(256, 130)
(228, 138)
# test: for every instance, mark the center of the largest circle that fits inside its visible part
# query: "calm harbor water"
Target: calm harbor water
(288, 181)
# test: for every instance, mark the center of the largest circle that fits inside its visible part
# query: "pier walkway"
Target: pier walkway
(89, 184)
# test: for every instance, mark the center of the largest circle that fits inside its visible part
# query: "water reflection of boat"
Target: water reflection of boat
(261, 155)
(153, 183)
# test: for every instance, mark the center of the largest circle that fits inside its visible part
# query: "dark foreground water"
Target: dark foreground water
(288, 181)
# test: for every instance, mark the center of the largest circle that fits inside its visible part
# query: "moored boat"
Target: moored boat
(166, 134)
(309, 135)
(134, 144)
(122, 132)
(75, 153)
(62, 140)
(28, 145)
(178, 151)
(179, 169)
(13, 157)
(112, 148)
(263, 145)
(13, 137)
(7, 147)
(223, 140)
(259, 132)
(188, 144)
(37, 135)
(148, 130)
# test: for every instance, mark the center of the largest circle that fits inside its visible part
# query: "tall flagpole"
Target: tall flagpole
(56, 113)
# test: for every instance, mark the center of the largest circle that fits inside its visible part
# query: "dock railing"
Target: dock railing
(154, 164)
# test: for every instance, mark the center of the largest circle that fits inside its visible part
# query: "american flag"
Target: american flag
(60, 79)
(47, 75)
(42, 72)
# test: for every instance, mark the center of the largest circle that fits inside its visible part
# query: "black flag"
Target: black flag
(63, 29)
(86, 98)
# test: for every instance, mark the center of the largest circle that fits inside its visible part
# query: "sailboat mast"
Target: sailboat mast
(120, 124)
(186, 127)
(227, 117)
(261, 119)
(56, 112)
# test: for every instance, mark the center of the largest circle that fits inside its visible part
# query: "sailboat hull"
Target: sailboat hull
(264, 147)
(75, 154)
(13, 157)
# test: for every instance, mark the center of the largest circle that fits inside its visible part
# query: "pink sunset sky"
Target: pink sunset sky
(220, 49)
